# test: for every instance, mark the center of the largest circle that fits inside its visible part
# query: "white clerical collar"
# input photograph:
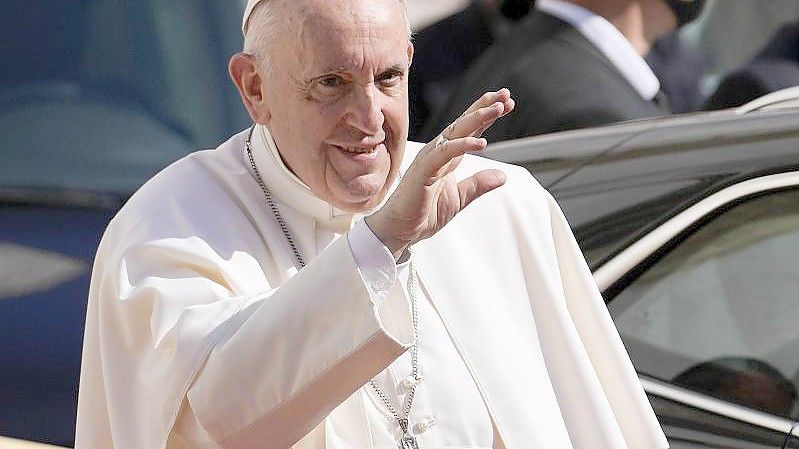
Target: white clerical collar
(289, 189)
(610, 42)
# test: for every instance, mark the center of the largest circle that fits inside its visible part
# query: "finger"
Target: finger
(488, 99)
(442, 154)
(507, 106)
(510, 105)
(479, 184)
(482, 129)
(470, 123)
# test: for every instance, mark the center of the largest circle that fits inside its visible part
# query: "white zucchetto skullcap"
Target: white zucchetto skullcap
(251, 4)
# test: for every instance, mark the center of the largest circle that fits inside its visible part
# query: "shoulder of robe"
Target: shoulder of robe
(521, 197)
(412, 149)
(518, 177)
(519, 180)
(197, 193)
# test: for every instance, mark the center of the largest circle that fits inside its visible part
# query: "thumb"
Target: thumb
(478, 184)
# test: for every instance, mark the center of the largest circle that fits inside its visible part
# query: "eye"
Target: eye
(331, 81)
(327, 88)
(390, 78)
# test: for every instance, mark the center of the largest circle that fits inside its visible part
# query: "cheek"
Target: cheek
(396, 118)
(312, 126)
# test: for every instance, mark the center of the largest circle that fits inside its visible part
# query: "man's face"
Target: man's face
(337, 97)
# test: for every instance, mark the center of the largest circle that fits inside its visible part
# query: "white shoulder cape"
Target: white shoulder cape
(195, 302)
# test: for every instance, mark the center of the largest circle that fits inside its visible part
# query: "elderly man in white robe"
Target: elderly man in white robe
(319, 282)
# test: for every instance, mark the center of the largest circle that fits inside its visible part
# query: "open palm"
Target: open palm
(429, 196)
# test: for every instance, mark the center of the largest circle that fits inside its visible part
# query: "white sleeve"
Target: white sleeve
(375, 262)
(286, 359)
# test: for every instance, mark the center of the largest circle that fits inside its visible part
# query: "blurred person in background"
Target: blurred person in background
(680, 69)
(775, 67)
(731, 33)
(575, 64)
(445, 49)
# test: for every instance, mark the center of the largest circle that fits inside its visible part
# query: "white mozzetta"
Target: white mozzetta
(201, 328)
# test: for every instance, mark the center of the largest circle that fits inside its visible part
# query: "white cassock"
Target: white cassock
(202, 333)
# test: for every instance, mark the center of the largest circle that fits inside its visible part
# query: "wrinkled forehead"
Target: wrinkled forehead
(368, 37)
(342, 19)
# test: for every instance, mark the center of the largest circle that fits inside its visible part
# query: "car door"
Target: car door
(792, 440)
(707, 305)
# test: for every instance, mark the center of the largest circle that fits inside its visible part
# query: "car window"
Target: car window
(718, 313)
(101, 94)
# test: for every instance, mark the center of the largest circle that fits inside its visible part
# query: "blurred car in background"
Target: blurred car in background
(96, 96)
(690, 223)
(691, 226)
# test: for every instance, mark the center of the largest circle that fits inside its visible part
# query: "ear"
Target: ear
(244, 72)
(410, 53)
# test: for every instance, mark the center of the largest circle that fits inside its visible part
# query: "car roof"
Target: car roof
(617, 181)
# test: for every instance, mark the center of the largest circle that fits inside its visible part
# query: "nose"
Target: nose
(365, 112)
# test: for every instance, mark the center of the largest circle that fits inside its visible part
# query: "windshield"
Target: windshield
(99, 95)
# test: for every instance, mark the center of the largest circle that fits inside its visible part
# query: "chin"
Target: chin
(365, 203)
(360, 201)
(364, 188)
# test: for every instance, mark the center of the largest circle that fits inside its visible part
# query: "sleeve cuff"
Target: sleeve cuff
(375, 262)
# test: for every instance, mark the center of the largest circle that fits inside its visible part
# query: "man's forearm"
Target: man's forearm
(305, 349)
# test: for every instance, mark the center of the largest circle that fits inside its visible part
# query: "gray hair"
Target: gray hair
(266, 17)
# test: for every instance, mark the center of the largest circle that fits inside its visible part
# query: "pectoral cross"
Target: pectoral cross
(407, 441)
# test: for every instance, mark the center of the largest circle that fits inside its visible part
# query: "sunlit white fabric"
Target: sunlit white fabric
(197, 305)
(448, 411)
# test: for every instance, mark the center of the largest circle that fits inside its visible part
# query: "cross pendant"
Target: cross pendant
(408, 442)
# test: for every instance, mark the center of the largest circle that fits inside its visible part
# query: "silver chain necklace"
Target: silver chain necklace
(407, 440)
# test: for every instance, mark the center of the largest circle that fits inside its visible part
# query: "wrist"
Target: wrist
(395, 246)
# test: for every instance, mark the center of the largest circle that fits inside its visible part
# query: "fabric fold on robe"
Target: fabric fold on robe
(196, 302)
(176, 293)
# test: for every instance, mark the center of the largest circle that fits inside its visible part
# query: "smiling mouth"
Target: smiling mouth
(355, 150)
(360, 151)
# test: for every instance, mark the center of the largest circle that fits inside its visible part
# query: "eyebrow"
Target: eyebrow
(337, 69)
(396, 68)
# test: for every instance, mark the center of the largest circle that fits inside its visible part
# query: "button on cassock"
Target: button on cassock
(424, 424)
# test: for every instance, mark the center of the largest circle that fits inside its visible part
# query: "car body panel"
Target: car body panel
(627, 260)
(628, 202)
(42, 312)
(13, 443)
(634, 175)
